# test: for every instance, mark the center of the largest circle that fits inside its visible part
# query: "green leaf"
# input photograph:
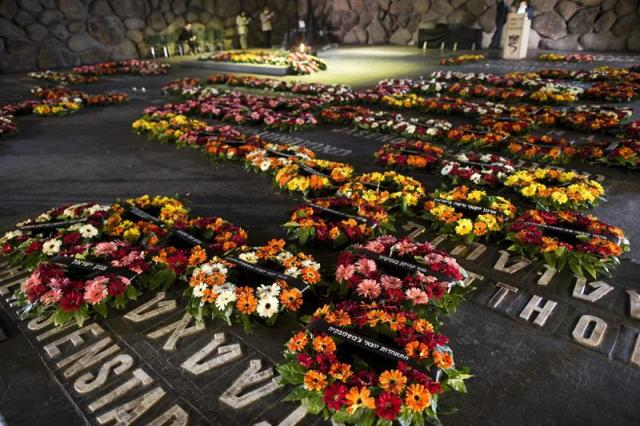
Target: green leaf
(101, 308)
(292, 372)
(131, 293)
(297, 394)
(61, 317)
(315, 404)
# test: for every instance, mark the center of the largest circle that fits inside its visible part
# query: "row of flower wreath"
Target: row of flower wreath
(146, 244)
(494, 131)
(57, 101)
(404, 94)
(133, 237)
(611, 84)
(364, 203)
(496, 135)
(90, 73)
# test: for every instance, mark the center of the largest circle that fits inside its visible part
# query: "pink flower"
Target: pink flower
(405, 247)
(388, 282)
(344, 273)
(51, 297)
(58, 283)
(417, 296)
(31, 282)
(387, 240)
(369, 288)
(95, 291)
(365, 266)
(427, 279)
(375, 246)
(105, 248)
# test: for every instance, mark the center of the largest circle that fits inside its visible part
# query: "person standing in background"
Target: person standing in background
(501, 19)
(524, 7)
(187, 38)
(242, 23)
(265, 22)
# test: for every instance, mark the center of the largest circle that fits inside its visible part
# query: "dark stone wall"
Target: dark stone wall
(40, 34)
(558, 24)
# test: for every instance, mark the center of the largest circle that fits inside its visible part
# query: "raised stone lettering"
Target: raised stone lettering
(461, 249)
(88, 382)
(139, 379)
(251, 376)
(634, 304)
(225, 354)
(601, 290)
(145, 312)
(549, 273)
(53, 331)
(471, 277)
(635, 356)
(438, 240)
(591, 339)
(129, 412)
(501, 292)
(174, 416)
(543, 310)
(76, 339)
(4, 288)
(40, 322)
(87, 357)
(501, 264)
(415, 229)
(177, 330)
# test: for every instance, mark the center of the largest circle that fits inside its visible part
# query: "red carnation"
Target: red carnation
(388, 406)
(71, 301)
(116, 287)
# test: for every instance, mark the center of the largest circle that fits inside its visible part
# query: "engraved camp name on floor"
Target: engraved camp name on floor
(154, 364)
(602, 315)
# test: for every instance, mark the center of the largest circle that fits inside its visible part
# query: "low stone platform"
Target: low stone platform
(237, 67)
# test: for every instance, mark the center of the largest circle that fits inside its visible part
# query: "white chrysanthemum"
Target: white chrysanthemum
(97, 208)
(51, 247)
(206, 268)
(486, 158)
(293, 271)
(267, 307)
(462, 157)
(249, 257)
(432, 131)
(70, 211)
(44, 217)
(224, 298)
(264, 166)
(272, 290)
(198, 291)
(88, 231)
(475, 178)
(308, 263)
(284, 255)
(218, 267)
(11, 235)
(410, 129)
(446, 170)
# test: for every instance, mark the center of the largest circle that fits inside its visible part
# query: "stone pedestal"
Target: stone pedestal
(516, 36)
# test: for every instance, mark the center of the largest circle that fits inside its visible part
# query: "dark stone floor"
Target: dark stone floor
(524, 374)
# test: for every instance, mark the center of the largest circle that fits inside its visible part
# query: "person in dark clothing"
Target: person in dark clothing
(524, 7)
(187, 37)
(501, 19)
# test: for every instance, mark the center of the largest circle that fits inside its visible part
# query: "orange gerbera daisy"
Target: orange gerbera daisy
(339, 318)
(340, 371)
(417, 398)
(359, 397)
(315, 380)
(442, 360)
(247, 303)
(297, 342)
(417, 349)
(291, 299)
(422, 325)
(324, 344)
(393, 381)
(310, 275)
(198, 256)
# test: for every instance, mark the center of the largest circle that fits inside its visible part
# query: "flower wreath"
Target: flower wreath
(212, 292)
(414, 276)
(388, 189)
(476, 138)
(570, 189)
(544, 148)
(506, 125)
(394, 123)
(623, 153)
(276, 156)
(336, 221)
(447, 211)
(49, 233)
(312, 175)
(413, 155)
(233, 145)
(203, 137)
(596, 118)
(462, 59)
(166, 126)
(552, 93)
(343, 114)
(147, 226)
(479, 169)
(556, 57)
(190, 243)
(68, 288)
(398, 375)
(568, 238)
